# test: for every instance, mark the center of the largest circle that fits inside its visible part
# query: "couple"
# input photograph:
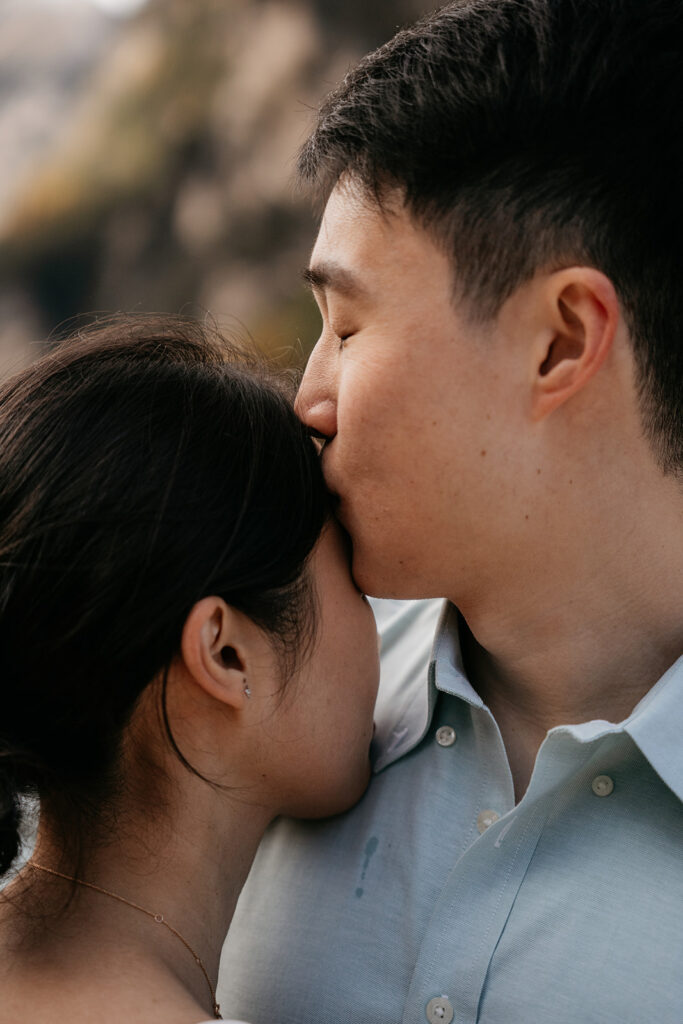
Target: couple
(185, 656)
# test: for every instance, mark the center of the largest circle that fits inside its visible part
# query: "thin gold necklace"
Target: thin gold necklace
(159, 918)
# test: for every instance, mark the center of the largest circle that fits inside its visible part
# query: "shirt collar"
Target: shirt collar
(415, 668)
(656, 727)
(408, 694)
(449, 671)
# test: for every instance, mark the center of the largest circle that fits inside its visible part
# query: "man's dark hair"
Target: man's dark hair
(529, 134)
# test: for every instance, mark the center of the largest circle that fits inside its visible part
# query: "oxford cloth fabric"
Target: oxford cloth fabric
(566, 907)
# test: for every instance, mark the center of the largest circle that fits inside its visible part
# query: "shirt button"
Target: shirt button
(485, 819)
(445, 736)
(602, 785)
(439, 1010)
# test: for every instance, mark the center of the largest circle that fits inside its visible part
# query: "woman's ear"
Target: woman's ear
(217, 650)
(581, 318)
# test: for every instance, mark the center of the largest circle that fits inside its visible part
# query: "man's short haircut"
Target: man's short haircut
(528, 135)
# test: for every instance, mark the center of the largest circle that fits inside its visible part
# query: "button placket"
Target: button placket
(493, 792)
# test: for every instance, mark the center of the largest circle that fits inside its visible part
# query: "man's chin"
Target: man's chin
(373, 576)
(370, 578)
(382, 579)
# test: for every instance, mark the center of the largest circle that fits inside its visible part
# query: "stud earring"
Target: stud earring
(247, 691)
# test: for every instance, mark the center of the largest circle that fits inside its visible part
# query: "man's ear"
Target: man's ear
(581, 316)
(216, 648)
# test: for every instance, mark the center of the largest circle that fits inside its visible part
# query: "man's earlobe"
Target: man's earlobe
(583, 314)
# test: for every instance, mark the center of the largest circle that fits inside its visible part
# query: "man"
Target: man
(498, 385)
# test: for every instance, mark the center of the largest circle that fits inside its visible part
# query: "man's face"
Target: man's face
(413, 401)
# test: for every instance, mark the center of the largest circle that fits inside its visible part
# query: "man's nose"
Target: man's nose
(316, 402)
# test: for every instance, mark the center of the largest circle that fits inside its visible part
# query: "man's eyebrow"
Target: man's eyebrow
(334, 277)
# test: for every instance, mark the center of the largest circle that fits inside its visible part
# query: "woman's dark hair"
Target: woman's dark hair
(526, 135)
(144, 464)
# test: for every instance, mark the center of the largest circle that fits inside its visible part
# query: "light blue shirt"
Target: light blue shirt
(436, 898)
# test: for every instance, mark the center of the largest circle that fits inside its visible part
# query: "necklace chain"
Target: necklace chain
(158, 918)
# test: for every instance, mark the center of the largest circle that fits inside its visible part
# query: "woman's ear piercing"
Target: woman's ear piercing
(247, 691)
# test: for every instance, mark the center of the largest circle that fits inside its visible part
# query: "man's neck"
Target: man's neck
(582, 640)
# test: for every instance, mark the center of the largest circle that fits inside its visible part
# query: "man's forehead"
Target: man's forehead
(356, 240)
(348, 246)
(351, 203)
(346, 223)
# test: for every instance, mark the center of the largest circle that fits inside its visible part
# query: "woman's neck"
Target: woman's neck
(189, 869)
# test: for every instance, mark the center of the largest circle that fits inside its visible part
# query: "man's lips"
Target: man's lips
(336, 498)
(332, 489)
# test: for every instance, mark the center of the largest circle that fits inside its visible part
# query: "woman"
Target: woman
(183, 656)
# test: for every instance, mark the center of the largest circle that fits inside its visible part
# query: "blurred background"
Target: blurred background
(148, 151)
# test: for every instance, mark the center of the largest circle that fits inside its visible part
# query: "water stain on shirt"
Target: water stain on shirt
(370, 849)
